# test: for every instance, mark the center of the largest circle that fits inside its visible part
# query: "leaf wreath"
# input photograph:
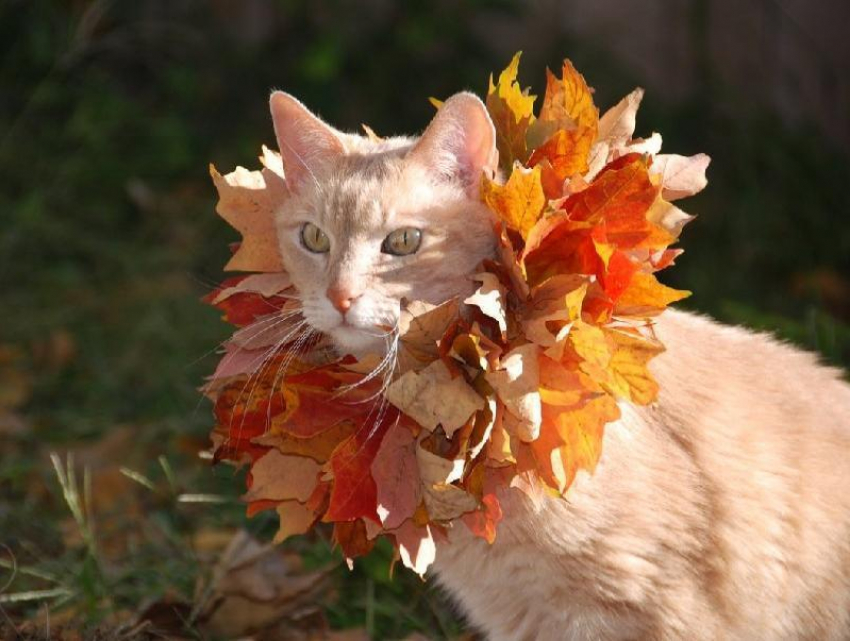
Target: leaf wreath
(515, 393)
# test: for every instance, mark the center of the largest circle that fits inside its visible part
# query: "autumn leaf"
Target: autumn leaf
(490, 299)
(645, 295)
(354, 494)
(517, 383)
(617, 125)
(247, 200)
(483, 522)
(562, 156)
(681, 176)
(519, 202)
(396, 474)
(512, 112)
(567, 104)
(416, 546)
(421, 396)
(295, 518)
(612, 211)
(279, 477)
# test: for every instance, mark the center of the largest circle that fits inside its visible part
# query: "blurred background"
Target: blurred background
(110, 113)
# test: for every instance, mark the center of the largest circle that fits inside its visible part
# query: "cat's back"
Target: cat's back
(767, 429)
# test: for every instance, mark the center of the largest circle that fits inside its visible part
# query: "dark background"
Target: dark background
(111, 111)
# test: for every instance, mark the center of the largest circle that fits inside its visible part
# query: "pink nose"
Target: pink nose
(341, 298)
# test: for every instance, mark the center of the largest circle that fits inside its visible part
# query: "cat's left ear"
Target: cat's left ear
(460, 142)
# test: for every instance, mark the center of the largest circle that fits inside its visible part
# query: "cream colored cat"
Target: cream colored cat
(723, 512)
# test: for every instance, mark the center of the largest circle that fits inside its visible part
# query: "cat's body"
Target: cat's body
(721, 512)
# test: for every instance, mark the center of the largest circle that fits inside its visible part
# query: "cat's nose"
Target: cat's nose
(341, 298)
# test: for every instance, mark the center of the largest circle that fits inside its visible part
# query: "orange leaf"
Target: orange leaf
(570, 439)
(562, 156)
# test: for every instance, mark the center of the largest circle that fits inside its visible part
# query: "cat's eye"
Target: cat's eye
(402, 242)
(314, 239)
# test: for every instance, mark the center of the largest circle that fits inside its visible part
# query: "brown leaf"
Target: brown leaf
(257, 588)
(396, 475)
(280, 477)
(432, 397)
(247, 200)
(617, 125)
(517, 382)
(490, 299)
(416, 546)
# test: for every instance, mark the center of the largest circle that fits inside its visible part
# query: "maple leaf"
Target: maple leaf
(512, 112)
(519, 202)
(645, 295)
(610, 214)
(420, 395)
(517, 383)
(570, 439)
(617, 125)
(278, 477)
(563, 156)
(416, 546)
(483, 522)
(396, 474)
(355, 494)
(490, 299)
(567, 104)
(295, 518)
(681, 176)
(247, 200)
(352, 537)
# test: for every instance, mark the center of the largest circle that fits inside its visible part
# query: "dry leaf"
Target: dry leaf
(248, 200)
(421, 395)
(519, 202)
(517, 383)
(490, 299)
(512, 112)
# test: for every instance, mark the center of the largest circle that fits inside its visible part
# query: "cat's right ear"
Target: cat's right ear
(305, 142)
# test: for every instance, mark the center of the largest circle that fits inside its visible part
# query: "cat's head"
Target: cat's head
(372, 222)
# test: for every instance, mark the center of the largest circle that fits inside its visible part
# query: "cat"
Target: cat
(722, 512)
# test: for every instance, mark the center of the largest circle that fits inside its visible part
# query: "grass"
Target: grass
(108, 118)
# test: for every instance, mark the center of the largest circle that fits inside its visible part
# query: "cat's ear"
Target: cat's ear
(460, 142)
(305, 142)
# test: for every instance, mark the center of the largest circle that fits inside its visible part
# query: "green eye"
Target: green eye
(402, 242)
(314, 239)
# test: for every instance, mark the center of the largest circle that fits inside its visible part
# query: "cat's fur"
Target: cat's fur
(720, 513)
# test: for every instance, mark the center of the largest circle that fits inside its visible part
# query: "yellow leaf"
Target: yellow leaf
(630, 377)
(512, 112)
(519, 202)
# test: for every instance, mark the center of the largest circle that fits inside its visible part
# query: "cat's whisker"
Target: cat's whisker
(257, 375)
